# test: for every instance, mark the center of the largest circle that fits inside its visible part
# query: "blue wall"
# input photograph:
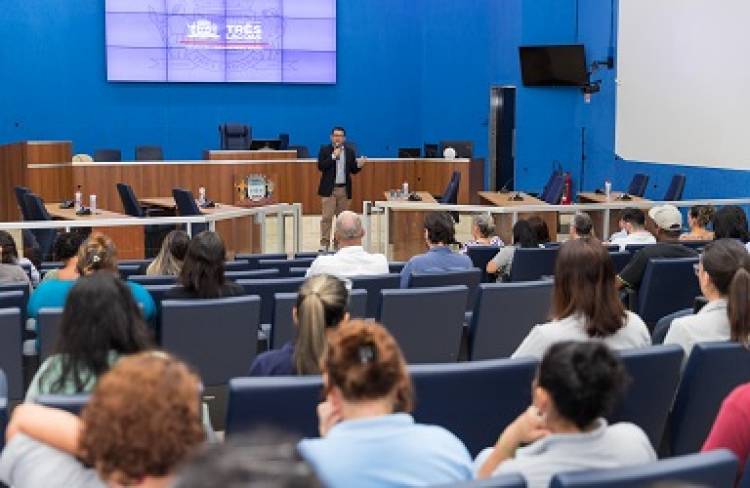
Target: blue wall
(409, 72)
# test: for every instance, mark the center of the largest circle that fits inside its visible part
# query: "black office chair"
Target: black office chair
(186, 207)
(149, 153)
(30, 237)
(638, 185)
(302, 151)
(284, 139)
(155, 234)
(108, 155)
(38, 213)
(235, 136)
(676, 187)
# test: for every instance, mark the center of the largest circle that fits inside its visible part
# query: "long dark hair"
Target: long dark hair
(585, 284)
(9, 252)
(584, 379)
(731, 222)
(524, 235)
(100, 316)
(203, 270)
(728, 266)
(540, 228)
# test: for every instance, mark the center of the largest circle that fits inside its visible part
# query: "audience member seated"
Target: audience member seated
(730, 222)
(10, 270)
(65, 250)
(97, 254)
(585, 304)
(367, 437)
(100, 323)
(577, 384)
(699, 218)
(202, 274)
(262, 459)
(141, 423)
(351, 259)
(171, 256)
(582, 226)
(523, 236)
(482, 233)
(321, 306)
(668, 222)
(724, 277)
(632, 223)
(540, 229)
(731, 429)
(440, 234)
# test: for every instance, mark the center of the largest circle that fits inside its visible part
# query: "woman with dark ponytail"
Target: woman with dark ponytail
(577, 384)
(724, 277)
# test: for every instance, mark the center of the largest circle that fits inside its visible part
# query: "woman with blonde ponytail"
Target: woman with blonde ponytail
(321, 306)
(724, 277)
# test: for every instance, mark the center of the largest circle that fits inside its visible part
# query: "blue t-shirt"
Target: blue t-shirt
(54, 293)
(390, 450)
(277, 362)
(436, 260)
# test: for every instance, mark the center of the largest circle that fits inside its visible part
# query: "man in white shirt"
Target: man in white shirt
(351, 259)
(632, 222)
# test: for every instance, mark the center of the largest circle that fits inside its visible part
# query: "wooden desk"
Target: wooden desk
(128, 240)
(597, 216)
(241, 235)
(248, 155)
(504, 222)
(406, 233)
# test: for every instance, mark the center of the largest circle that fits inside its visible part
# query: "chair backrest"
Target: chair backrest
(373, 284)
(620, 259)
(554, 189)
(253, 274)
(11, 360)
(504, 315)
(253, 259)
(531, 264)
(634, 248)
(284, 139)
(218, 336)
(668, 285)
(288, 403)
(469, 277)
(158, 292)
(129, 200)
(712, 371)
(283, 265)
(235, 136)
(715, 468)
(149, 153)
(185, 202)
(450, 196)
(20, 192)
(48, 330)
(153, 279)
(265, 289)
(19, 299)
(396, 266)
(649, 397)
(474, 400)
(745, 481)
(510, 480)
(297, 272)
(4, 404)
(427, 323)
(70, 403)
(480, 256)
(108, 155)
(283, 330)
(676, 187)
(128, 270)
(638, 185)
(302, 151)
(302, 255)
(36, 208)
(238, 265)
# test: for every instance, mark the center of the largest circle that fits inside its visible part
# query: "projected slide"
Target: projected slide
(252, 41)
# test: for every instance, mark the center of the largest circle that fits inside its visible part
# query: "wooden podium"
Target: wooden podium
(406, 229)
(504, 222)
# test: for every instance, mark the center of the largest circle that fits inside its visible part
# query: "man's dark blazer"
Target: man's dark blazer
(327, 167)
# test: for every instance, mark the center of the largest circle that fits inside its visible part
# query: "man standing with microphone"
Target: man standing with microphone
(337, 163)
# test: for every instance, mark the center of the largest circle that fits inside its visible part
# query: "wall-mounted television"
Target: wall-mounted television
(561, 65)
(251, 41)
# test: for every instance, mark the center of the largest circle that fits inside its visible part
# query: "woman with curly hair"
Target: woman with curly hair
(142, 421)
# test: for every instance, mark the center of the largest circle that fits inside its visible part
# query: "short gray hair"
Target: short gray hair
(485, 224)
(583, 224)
(349, 226)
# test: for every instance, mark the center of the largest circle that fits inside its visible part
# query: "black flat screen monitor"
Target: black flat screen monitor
(409, 152)
(257, 144)
(563, 65)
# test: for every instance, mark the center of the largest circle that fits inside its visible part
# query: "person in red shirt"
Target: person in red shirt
(731, 429)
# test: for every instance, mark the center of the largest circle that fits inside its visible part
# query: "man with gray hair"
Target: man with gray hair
(581, 226)
(351, 258)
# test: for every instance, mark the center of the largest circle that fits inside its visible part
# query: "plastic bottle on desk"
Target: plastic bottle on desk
(405, 188)
(607, 189)
(78, 199)
(92, 203)
(201, 196)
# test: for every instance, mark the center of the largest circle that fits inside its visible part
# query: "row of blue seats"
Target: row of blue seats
(685, 407)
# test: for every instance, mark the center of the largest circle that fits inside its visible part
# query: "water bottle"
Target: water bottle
(78, 199)
(92, 203)
(201, 196)
(607, 188)
(405, 188)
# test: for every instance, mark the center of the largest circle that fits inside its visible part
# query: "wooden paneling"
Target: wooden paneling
(504, 222)
(407, 231)
(254, 155)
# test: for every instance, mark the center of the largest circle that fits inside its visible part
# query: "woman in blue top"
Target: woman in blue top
(367, 437)
(321, 306)
(98, 253)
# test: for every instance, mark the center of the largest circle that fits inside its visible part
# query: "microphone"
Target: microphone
(504, 188)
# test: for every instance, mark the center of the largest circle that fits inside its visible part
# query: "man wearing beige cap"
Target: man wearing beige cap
(665, 222)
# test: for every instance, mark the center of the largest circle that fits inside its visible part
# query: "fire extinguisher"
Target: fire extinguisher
(567, 198)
